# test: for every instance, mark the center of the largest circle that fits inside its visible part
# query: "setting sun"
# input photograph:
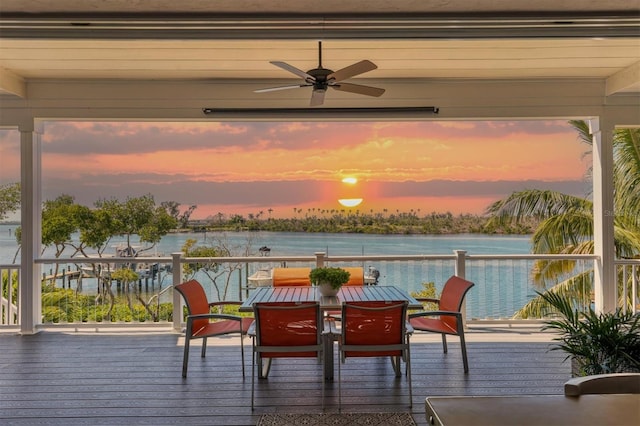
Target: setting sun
(350, 202)
(350, 197)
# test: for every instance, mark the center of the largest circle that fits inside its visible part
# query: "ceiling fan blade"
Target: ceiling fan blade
(352, 70)
(274, 89)
(358, 88)
(317, 97)
(292, 69)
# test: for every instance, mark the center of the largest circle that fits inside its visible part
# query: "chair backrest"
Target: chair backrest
(196, 300)
(452, 297)
(291, 277)
(376, 324)
(290, 328)
(356, 275)
(603, 383)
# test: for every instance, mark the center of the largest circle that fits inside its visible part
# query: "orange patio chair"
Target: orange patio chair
(285, 330)
(283, 277)
(202, 323)
(375, 329)
(448, 318)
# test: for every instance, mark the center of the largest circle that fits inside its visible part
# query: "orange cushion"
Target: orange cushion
(291, 277)
(356, 275)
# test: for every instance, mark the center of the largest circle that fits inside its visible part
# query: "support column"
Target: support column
(176, 270)
(461, 271)
(30, 302)
(604, 281)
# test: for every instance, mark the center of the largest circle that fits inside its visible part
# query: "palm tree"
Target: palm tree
(566, 223)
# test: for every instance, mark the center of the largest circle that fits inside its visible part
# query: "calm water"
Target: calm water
(500, 289)
(295, 243)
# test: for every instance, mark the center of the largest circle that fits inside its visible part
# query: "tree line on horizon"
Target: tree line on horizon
(407, 223)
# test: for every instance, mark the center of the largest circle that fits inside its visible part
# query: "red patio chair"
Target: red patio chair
(285, 330)
(202, 323)
(448, 318)
(375, 329)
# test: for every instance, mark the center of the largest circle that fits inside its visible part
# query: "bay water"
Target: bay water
(500, 290)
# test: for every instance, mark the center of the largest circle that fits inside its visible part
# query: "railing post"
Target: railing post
(320, 256)
(461, 271)
(176, 267)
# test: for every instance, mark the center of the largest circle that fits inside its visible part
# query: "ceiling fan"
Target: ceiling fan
(322, 78)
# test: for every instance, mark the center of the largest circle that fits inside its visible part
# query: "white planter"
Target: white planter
(325, 289)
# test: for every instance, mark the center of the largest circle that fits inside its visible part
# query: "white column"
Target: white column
(176, 270)
(30, 303)
(461, 271)
(603, 215)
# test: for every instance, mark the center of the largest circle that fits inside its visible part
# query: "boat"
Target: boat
(260, 278)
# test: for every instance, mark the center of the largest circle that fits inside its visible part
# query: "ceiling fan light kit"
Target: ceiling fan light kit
(320, 79)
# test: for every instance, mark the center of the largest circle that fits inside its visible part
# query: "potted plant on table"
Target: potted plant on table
(329, 279)
(597, 343)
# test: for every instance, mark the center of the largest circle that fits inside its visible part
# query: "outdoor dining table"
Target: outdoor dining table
(328, 303)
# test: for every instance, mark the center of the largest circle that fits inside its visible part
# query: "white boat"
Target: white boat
(260, 278)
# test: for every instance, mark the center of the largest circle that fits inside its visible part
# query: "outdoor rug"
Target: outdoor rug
(337, 419)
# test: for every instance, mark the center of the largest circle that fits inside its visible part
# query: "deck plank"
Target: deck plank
(59, 378)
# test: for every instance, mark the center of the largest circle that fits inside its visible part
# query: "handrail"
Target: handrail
(416, 266)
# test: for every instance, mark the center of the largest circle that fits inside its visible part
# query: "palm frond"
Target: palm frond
(627, 176)
(536, 203)
(576, 288)
(569, 229)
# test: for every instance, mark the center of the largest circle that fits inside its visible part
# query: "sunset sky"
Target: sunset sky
(253, 167)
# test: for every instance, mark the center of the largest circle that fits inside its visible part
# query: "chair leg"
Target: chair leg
(395, 363)
(339, 384)
(204, 347)
(253, 373)
(408, 372)
(464, 353)
(324, 372)
(242, 352)
(444, 342)
(185, 357)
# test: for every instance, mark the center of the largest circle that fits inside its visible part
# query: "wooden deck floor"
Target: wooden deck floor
(134, 378)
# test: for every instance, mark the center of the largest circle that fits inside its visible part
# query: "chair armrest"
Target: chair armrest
(427, 299)
(225, 302)
(603, 383)
(252, 330)
(435, 314)
(330, 327)
(409, 328)
(217, 316)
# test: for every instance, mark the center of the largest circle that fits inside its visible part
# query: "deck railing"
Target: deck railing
(9, 287)
(504, 283)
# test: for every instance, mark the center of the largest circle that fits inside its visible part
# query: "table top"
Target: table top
(311, 294)
(534, 410)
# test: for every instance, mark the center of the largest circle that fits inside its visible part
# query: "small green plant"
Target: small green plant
(600, 343)
(337, 277)
(427, 295)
